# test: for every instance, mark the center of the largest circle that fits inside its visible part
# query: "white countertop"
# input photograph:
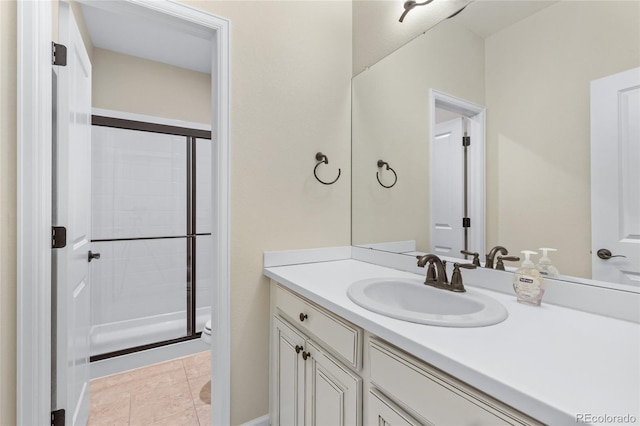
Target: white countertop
(549, 362)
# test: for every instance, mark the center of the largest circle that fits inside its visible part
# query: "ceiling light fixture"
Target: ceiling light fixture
(410, 4)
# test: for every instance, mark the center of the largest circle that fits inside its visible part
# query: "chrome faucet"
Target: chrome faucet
(437, 273)
(492, 255)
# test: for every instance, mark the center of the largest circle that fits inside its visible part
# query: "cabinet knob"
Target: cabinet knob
(305, 355)
(303, 316)
(298, 349)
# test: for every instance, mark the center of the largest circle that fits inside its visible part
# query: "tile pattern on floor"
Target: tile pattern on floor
(176, 392)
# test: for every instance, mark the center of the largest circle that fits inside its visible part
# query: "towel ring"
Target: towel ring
(321, 158)
(395, 176)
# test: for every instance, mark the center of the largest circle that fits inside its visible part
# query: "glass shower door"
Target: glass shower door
(144, 194)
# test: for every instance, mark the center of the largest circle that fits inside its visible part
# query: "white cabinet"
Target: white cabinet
(317, 375)
(383, 412)
(432, 396)
(309, 386)
(333, 393)
(313, 357)
(289, 386)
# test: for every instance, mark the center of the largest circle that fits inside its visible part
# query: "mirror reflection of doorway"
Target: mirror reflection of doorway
(457, 176)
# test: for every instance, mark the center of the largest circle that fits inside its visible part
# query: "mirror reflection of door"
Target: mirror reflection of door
(615, 178)
(448, 197)
(456, 187)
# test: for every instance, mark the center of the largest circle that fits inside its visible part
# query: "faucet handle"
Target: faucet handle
(476, 256)
(456, 276)
(465, 265)
(500, 264)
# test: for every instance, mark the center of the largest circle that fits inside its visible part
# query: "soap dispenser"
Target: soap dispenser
(545, 267)
(527, 281)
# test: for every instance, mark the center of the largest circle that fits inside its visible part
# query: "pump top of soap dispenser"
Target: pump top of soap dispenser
(544, 265)
(528, 264)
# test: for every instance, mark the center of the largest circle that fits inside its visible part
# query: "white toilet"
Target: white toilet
(206, 333)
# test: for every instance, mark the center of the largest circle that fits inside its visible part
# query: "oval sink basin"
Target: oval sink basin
(411, 300)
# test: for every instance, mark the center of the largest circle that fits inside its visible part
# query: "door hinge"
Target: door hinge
(466, 222)
(57, 418)
(466, 140)
(58, 237)
(58, 54)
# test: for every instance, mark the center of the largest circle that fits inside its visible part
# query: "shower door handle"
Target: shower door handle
(92, 256)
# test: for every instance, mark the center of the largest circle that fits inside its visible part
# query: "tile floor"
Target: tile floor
(176, 392)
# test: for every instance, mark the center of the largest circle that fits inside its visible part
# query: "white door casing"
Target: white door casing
(72, 210)
(34, 184)
(475, 126)
(446, 192)
(615, 177)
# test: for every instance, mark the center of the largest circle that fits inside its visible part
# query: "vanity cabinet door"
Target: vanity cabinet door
(333, 396)
(288, 388)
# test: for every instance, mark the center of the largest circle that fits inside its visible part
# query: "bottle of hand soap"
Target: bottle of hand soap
(545, 267)
(527, 282)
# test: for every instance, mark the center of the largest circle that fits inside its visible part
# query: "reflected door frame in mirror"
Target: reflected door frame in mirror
(469, 231)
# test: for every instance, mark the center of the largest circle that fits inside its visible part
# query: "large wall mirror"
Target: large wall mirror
(529, 67)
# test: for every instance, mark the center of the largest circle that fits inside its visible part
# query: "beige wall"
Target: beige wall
(290, 99)
(127, 83)
(537, 89)
(7, 212)
(391, 114)
(291, 69)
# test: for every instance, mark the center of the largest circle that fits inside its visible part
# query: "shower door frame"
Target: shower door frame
(34, 208)
(191, 132)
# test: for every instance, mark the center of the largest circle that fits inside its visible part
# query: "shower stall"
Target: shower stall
(151, 224)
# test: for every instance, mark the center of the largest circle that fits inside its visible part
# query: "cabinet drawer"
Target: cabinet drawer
(383, 412)
(340, 337)
(438, 399)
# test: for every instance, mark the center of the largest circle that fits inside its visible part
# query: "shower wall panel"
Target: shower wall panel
(138, 185)
(138, 293)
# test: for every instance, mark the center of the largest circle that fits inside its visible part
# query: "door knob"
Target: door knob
(605, 254)
(298, 349)
(305, 355)
(92, 256)
(303, 316)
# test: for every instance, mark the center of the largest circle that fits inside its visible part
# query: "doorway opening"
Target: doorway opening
(34, 374)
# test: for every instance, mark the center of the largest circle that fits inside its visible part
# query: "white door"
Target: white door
(72, 209)
(615, 178)
(447, 189)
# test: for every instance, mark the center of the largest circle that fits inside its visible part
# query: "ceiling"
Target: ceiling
(124, 29)
(486, 17)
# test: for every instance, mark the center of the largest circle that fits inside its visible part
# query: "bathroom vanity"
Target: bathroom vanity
(333, 362)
